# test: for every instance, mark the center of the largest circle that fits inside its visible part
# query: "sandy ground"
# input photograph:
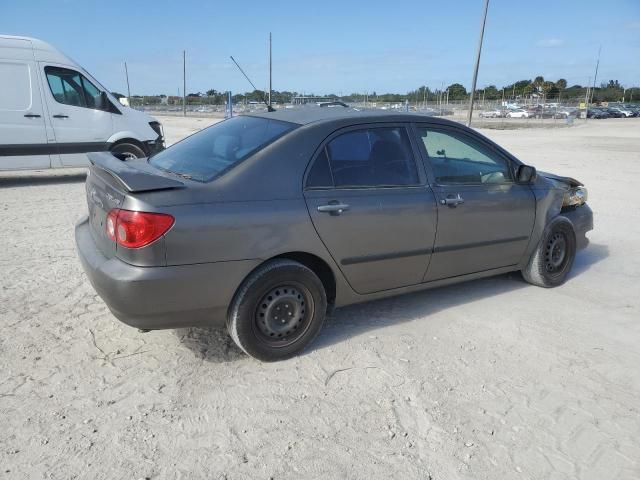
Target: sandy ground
(493, 379)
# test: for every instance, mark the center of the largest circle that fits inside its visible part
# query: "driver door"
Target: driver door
(484, 217)
(80, 124)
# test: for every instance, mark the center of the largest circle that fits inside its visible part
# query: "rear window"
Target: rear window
(215, 150)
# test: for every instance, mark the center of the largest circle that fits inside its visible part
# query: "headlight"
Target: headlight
(156, 128)
(575, 197)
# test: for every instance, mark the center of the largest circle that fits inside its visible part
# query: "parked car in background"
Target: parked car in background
(266, 222)
(625, 112)
(565, 112)
(518, 113)
(634, 109)
(614, 112)
(597, 113)
(496, 113)
(52, 112)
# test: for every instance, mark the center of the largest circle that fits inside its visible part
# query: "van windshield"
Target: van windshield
(215, 150)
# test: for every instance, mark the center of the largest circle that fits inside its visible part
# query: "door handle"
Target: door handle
(32, 115)
(61, 116)
(452, 201)
(333, 208)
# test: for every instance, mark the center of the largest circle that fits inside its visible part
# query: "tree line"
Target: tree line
(610, 91)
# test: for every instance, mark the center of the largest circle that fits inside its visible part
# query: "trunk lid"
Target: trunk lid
(109, 182)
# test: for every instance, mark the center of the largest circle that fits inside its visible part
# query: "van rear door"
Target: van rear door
(23, 136)
(80, 123)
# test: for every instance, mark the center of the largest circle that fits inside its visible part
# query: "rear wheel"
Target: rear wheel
(552, 260)
(278, 310)
(127, 151)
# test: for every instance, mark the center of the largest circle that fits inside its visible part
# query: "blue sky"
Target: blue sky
(334, 46)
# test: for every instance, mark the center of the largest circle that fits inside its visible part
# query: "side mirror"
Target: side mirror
(103, 101)
(526, 174)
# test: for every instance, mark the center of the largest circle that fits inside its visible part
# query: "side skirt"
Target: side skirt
(351, 299)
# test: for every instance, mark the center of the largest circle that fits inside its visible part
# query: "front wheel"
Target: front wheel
(553, 258)
(278, 310)
(127, 151)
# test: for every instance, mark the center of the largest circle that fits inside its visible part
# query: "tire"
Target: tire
(258, 319)
(127, 151)
(551, 261)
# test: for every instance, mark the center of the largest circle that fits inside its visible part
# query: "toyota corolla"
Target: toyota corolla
(268, 221)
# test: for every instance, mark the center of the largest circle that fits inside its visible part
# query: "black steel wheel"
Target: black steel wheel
(555, 255)
(277, 311)
(552, 260)
(284, 314)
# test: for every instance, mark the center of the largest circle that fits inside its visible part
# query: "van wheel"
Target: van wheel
(552, 260)
(127, 151)
(278, 310)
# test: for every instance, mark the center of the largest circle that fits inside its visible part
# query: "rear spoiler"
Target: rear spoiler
(135, 176)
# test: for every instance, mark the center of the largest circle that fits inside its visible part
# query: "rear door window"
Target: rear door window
(372, 157)
(15, 94)
(215, 150)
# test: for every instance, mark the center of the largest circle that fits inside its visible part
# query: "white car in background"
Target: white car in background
(52, 112)
(518, 113)
(495, 113)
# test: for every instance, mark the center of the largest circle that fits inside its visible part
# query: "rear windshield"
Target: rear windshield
(215, 150)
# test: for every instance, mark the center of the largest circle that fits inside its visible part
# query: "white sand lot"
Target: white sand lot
(493, 379)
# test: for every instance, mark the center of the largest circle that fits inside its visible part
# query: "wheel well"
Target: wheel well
(132, 141)
(319, 267)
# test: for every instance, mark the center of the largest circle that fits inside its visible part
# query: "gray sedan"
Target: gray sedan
(268, 221)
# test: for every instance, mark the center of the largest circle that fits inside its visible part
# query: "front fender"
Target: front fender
(116, 137)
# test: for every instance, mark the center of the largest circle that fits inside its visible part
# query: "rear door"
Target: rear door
(485, 219)
(371, 206)
(23, 136)
(79, 123)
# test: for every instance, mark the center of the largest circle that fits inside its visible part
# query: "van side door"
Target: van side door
(80, 122)
(23, 135)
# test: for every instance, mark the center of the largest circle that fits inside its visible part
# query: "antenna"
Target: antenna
(270, 69)
(269, 107)
(595, 76)
(126, 74)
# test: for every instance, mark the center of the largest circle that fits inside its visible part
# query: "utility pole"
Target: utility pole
(269, 68)
(126, 74)
(475, 70)
(586, 103)
(184, 83)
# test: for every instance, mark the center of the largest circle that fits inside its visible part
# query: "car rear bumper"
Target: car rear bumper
(161, 297)
(582, 219)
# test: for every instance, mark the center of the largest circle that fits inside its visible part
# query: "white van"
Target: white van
(52, 112)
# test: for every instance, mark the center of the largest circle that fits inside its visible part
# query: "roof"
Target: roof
(40, 50)
(313, 114)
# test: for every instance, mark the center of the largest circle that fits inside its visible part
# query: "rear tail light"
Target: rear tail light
(136, 229)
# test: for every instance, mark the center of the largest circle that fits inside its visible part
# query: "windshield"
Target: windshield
(215, 150)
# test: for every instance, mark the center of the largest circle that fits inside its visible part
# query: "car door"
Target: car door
(371, 205)
(23, 135)
(79, 122)
(485, 218)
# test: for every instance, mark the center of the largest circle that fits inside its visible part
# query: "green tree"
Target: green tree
(492, 93)
(457, 91)
(561, 84)
(549, 89)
